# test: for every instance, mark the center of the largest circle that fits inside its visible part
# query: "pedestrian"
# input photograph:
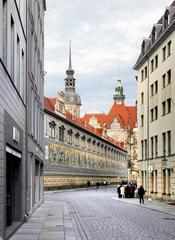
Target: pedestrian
(119, 191)
(141, 193)
(88, 183)
(122, 190)
(98, 184)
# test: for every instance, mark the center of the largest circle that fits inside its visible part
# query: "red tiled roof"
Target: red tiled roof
(49, 103)
(86, 126)
(120, 111)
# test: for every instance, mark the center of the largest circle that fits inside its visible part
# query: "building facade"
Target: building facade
(119, 124)
(35, 94)
(156, 108)
(75, 154)
(13, 115)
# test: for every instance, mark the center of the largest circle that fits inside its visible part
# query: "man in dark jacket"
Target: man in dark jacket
(141, 193)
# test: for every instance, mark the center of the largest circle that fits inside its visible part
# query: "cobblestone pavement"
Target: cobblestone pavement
(96, 215)
(99, 216)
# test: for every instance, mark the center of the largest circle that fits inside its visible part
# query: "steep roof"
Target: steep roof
(120, 111)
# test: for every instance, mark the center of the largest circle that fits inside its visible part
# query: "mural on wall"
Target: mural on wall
(66, 155)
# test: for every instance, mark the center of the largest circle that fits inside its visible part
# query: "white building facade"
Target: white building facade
(156, 109)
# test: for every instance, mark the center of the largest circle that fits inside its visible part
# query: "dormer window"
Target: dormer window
(143, 48)
(154, 35)
(166, 19)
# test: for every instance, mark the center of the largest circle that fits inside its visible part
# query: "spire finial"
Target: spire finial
(70, 60)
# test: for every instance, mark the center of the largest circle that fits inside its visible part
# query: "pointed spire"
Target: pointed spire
(70, 60)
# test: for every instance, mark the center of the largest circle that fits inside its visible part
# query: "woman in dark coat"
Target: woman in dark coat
(141, 193)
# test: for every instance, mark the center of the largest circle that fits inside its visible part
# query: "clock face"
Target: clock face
(71, 99)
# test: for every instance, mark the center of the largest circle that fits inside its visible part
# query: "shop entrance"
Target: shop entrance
(13, 189)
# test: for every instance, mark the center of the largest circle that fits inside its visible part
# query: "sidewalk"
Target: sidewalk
(153, 205)
(51, 221)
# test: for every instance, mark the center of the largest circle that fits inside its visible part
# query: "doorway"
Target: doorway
(13, 189)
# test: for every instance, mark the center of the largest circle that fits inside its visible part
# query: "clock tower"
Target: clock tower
(72, 100)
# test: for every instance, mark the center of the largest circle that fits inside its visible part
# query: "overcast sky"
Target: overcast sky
(106, 36)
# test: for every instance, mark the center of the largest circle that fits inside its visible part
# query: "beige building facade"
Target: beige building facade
(156, 109)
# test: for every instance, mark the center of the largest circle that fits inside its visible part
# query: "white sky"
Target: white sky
(106, 36)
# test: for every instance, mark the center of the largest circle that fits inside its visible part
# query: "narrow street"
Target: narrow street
(91, 214)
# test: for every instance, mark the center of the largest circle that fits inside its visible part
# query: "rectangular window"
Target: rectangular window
(152, 147)
(156, 145)
(146, 72)
(168, 105)
(22, 88)
(164, 143)
(164, 53)
(152, 115)
(142, 120)
(152, 65)
(4, 32)
(12, 32)
(169, 77)
(142, 75)
(61, 134)
(156, 87)
(18, 75)
(142, 148)
(142, 98)
(146, 148)
(169, 142)
(156, 61)
(156, 112)
(152, 90)
(169, 49)
(164, 80)
(163, 108)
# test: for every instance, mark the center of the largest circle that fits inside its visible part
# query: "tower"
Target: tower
(118, 96)
(72, 100)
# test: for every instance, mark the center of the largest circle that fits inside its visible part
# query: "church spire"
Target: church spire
(70, 80)
(70, 60)
(118, 96)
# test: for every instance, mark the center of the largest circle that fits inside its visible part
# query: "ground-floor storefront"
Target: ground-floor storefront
(158, 178)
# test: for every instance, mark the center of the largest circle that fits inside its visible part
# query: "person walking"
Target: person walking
(122, 190)
(119, 191)
(141, 193)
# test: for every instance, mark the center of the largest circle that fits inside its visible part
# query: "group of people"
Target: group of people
(130, 191)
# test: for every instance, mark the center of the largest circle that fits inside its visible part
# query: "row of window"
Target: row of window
(36, 115)
(166, 109)
(79, 140)
(144, 73)
(166, 146)
(154, 63)
(166, 52)
(154, 113)
(16, 58)
(166, 80)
